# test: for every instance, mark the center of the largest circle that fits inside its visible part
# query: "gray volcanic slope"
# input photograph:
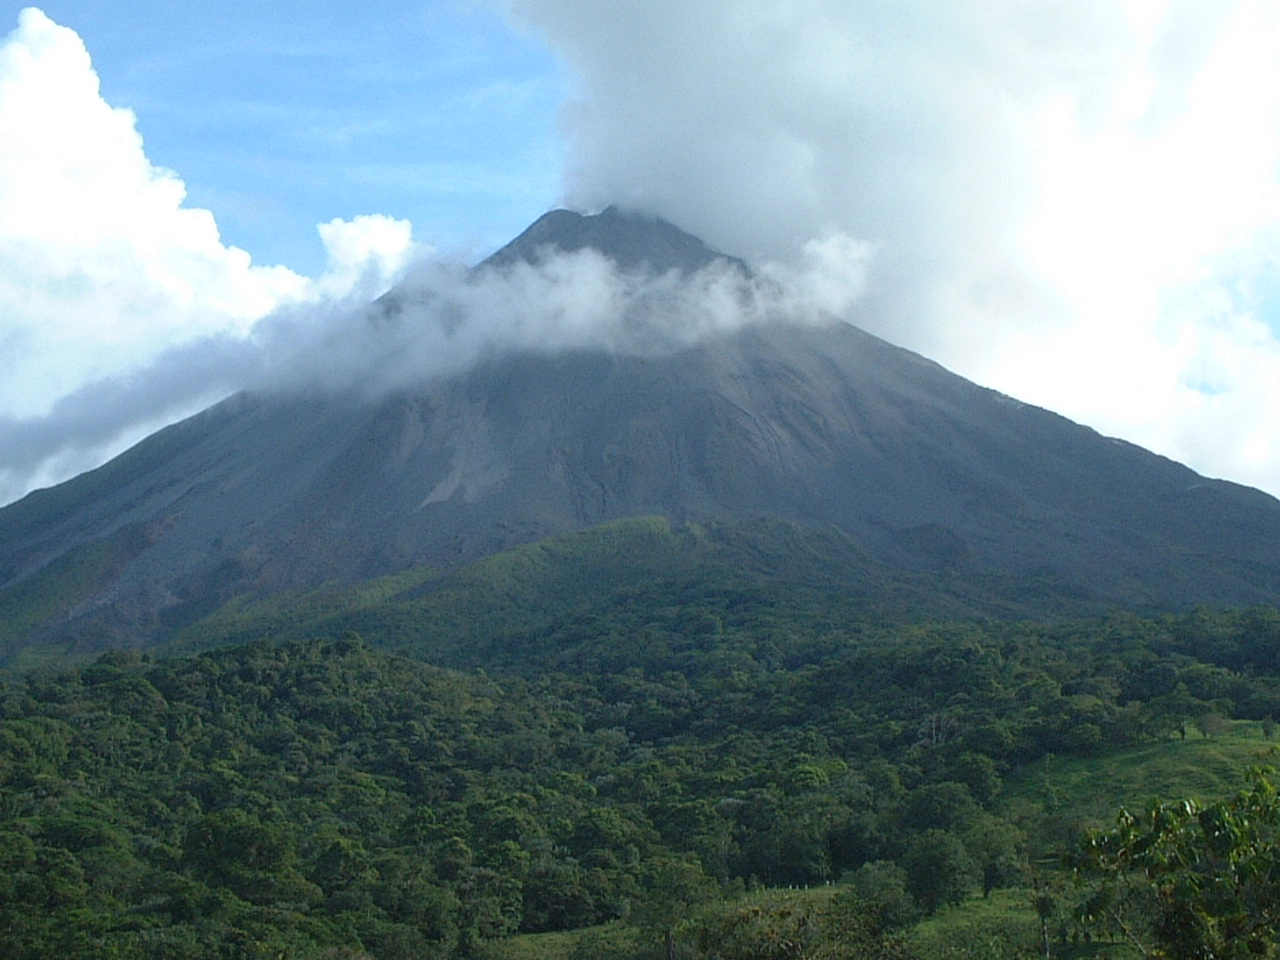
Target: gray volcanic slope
(817, 425)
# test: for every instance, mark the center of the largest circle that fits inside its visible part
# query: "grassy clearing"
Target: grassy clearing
(546, 946)
(1089, 791)
(1001, 925)
(619, 941)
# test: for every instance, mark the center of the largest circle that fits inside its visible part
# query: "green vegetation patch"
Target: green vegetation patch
(54, 591)
(519, 606)
(709, 768)
(1092, 788)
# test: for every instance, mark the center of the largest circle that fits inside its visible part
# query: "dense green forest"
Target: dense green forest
(670, 763)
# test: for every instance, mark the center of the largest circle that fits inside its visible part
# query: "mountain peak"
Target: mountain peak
(631, 240)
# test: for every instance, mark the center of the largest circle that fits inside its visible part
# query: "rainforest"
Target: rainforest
(725, 771)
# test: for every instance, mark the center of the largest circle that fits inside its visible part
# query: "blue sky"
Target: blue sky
(1075, 202)
(280, 115)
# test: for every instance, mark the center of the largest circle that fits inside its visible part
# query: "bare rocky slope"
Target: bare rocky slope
(823, 426)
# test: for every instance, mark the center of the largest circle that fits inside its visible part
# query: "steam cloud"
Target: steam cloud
(1073, 201)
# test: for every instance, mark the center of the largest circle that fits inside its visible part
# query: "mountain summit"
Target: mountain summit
(633, 241)
(824, 428)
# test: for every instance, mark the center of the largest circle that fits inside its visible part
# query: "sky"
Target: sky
(1075, 202)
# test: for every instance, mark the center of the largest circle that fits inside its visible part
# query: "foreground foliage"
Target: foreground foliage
(1187, 881)
(309, 798)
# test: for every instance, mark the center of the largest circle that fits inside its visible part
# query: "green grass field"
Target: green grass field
(1091, 790)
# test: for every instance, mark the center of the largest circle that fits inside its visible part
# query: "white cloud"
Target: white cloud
(443, 318)
(1159, 220)
(365, 254)
(100, 264)
(1074, 201)
(104, 271)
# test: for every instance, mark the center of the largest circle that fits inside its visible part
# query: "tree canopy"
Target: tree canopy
(288, 799)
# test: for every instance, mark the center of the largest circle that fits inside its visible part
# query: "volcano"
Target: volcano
(821, 426)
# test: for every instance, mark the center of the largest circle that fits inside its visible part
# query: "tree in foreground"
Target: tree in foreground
(1189, 881)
